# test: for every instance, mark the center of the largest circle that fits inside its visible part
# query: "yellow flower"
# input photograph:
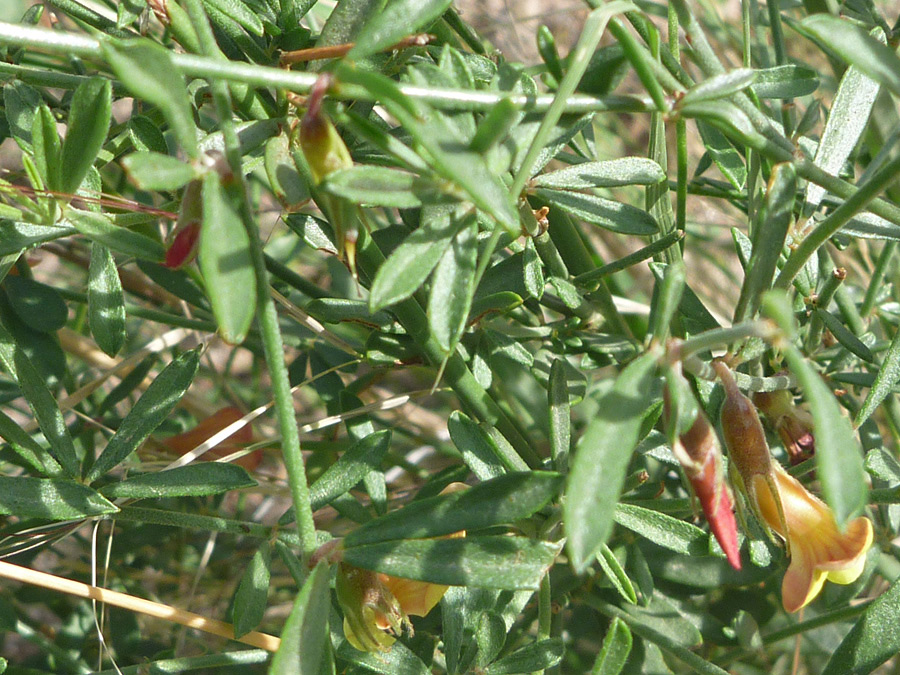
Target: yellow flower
(818, 549)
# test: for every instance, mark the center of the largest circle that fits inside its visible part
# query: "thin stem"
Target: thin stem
(837, 219)
(65, 44)
(267, 317)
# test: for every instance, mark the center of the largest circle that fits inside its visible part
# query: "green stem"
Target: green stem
(472, 395)
(720, 337)
(65, 44)
(878, 274)
(267, 317)
(829, 226)
(661, 244)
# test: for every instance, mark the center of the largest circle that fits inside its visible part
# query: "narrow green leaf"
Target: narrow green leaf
(887, 378)
(616, 574)
(224, 257)
(397, 20)
(50, 499)
(615, 649)
(453, 287)
(560, 415)
(363, 457)
(501, 562)
(495, 126)
(845, 337)
(88, 123)
(606, 213)
(305, 647)
(38, 305)
(238, 11)
(534, 657)
(407, 267)
(851, 42)
(148, 413)
(787, 81)
(723, 154)
(155, 171)
(194, 480)
(252, 591)
(601, 459)
(663, 530)
(146, 68)
(28, 449)
(384, 186)
(20, 103)
(667, 295)
(106, 301)
(47, 414)
(97, 227)
(499, 501)
(848, 118)
(610, 173)
(479, 451)
(16, 237)
(284, 179)
(869, 226)
(47, 147)
(872, 641)
(839, 461)
(719, 86)
(769, 240)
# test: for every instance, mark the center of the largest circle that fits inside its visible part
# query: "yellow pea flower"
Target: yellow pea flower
(817, 548)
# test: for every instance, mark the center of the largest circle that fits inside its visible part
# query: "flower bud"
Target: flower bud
(322, 145)
(698, 451)
(793, 424)
(184, 240)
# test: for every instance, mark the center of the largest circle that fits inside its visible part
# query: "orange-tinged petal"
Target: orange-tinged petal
(819, 550)
(416, 598)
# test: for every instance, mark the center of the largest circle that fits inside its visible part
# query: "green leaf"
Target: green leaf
(238, 11)
(530, 658)
(869, 226)
(97, 227)
(873, 639)
(305, 647)
(719, 86)
(610, 215)
(666, 531)
(499, 501)
(848, 118)
(395, 21)
(47, 414)
(88, 124)
(453, 287)
(28, 449)
(148, 413)
(845, 337)
(155, 171)
(17, 237)
(20, 103)
(47, 146)
(145, 135)
(616, 574)
(511, 563)
(479, 451)
(39, 306)
(194, 480)
(50, 499)
(252, 592)
(723, 154)
(224, 257)
(615, 649)
(384, 186)
(407, 267)
(887, 378)
(560, 415)
(839, 461)
(284, 179)
(447, 154)
(769, 240)
(787, 81)
(851, 42)
(601, 459)
(610, 173)
(146, 68)
(106, 301)
(362, 457)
